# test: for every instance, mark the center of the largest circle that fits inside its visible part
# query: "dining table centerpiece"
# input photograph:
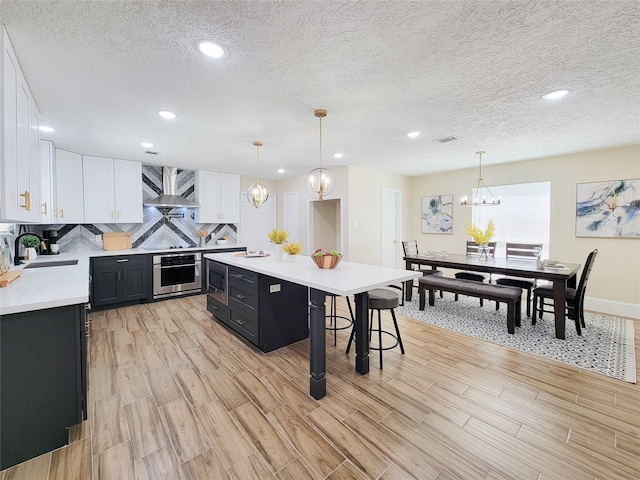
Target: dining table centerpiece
(482, 238)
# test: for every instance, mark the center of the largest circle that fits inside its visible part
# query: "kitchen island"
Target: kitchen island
(346, 279)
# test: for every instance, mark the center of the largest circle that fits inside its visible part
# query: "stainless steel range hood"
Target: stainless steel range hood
(170, 197)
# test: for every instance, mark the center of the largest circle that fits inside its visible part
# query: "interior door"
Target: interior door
(256, 223)
(290, 215)
(391, 228)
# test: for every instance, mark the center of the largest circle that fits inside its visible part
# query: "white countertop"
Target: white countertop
(48, 287)
(346, 278)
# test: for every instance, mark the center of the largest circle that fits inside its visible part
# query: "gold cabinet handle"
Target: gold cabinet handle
(45, 208)
(118, 214)
(27, 201)
(55, 213)
(62, 213)
(111, 214)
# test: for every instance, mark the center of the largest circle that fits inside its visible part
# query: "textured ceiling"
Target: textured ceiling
(100, 70)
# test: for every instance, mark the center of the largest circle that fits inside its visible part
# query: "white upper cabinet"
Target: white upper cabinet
(68, 193)
(46, 181)
(128, 191)
(218, 195)
(20, 139)
(112, 190)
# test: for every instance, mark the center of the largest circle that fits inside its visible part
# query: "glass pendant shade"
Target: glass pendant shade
(257, 193)
(480, 194)
(319, 181)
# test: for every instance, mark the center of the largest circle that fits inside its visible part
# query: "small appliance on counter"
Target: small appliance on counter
(50, 240)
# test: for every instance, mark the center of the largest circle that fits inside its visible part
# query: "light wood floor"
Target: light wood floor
(174, 395)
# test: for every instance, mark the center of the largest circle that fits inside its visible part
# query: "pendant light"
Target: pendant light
(481, 195)
(257, 193)
(319, 181)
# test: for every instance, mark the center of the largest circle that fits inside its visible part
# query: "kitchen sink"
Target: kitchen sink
(55, 263)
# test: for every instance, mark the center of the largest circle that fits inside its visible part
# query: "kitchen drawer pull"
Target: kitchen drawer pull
(240, 322)
(241, 297)
(122, 260)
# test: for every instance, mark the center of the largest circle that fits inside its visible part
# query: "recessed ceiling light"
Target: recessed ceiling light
(280, 170)
(413, 134)
(211, 49)
(338, 155)
(44, 128)
(146, 144)
(555, 94)
(165, 114)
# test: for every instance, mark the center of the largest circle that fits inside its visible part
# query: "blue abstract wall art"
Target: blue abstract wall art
(437, 214)
(608, 209)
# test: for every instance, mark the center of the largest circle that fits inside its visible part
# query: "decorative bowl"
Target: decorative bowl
(550, 263)
(328, 261)
(222, 242)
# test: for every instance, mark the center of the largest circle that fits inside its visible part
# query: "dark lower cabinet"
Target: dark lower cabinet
(44, 355)
(268, 312)
(120, 279)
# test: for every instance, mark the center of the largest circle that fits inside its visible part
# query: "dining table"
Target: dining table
(562, 275)
(347, 278)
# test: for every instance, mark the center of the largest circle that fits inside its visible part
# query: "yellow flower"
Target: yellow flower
(278, 236)
(478, 235)
(292, 248)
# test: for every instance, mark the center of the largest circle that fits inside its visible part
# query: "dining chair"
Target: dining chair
(410, 247)
(473, 250)
(575, 297)
(525, 251)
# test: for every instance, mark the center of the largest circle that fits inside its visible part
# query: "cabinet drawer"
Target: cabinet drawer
(217, 309)
(244, 299)
(239, 276)
(119, 260)
(245, 325)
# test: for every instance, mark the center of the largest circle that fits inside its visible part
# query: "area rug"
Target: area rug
(606, 346)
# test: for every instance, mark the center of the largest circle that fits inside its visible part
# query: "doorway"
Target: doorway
(256, 223)
(325, 225)
(391, 228)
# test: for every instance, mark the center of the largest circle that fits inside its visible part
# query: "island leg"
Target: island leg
(317, 345)
(362, 333)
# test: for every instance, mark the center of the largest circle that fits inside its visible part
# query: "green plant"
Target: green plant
(30, 241)
(278, 236)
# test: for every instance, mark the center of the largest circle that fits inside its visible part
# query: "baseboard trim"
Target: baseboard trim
(609, 307)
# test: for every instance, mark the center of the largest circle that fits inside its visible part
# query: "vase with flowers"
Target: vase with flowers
(482, 238)
(278, 236)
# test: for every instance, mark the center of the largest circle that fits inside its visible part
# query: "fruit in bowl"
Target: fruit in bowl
(328, 259)
(222, 240)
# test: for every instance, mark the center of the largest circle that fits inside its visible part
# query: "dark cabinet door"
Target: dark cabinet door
(41, 391)
(135, 282)
(105, 285)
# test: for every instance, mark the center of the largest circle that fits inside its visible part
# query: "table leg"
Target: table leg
(317, 345)
(408, 285)
(559, 301)
(362, 333)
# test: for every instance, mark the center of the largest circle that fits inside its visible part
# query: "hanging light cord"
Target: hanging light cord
(258, 145)
(320, 141)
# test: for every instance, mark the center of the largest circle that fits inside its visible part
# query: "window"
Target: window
(524, 216)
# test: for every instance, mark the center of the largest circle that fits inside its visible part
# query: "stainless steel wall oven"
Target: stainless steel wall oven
(176, 274)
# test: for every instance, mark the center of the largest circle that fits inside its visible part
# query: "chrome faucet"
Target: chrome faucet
(17, 260)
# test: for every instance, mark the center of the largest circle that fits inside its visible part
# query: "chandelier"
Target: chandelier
(319, 182)
(257, 193)
(481, 195)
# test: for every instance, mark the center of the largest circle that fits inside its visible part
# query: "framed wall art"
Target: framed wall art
(437, 214)
(608, 209)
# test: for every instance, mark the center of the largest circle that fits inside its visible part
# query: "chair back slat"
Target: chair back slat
(473, 249)
(410, 247)
(584, 278)
(523, 250)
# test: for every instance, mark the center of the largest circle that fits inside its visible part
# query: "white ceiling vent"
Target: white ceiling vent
(447, 139)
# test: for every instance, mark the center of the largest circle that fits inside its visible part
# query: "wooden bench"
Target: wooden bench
(499, 293)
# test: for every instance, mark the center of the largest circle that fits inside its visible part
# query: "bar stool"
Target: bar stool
(382, 299)
(333, 317)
